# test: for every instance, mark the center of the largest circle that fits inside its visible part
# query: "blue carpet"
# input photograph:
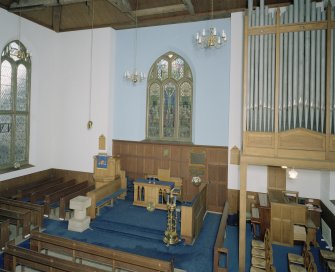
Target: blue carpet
(133, 229)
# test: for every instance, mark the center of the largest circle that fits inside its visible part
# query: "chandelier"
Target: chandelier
(135, 76)
(16, 50)
(210, 38)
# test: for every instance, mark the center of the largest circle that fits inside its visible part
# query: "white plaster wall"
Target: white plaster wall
(257, 179)
(40, 43)
(74, 145)
(326, 188)
(235, 97)
(307, 183)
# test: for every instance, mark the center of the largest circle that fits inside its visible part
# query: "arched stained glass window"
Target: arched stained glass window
(169, 99)
(14, 105)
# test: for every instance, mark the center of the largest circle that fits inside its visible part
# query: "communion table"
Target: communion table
(151, 191)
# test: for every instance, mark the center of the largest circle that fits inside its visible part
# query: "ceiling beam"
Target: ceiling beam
(24, 5)
(56, 18)
(122, 5)
(189, 6)
(159, 10)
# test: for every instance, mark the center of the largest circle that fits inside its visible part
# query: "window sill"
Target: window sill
(12, 169)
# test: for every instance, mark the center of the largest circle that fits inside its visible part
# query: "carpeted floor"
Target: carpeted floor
(133, 229)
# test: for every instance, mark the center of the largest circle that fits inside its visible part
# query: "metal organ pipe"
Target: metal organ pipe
(301, 64)
(307, 62)
(323, 75)
(290, 69)
(265, 74)
(295, 64)
(312, 80)
(256, 89)
(318, 72)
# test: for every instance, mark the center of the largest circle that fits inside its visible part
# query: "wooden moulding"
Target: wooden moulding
(235, 155)
(302, 139)
(332, 143)
(259, 139)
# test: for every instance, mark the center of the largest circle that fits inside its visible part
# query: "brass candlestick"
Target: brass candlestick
(171, 236)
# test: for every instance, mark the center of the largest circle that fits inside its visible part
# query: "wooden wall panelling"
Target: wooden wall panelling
(281, 224)
(140, 158)
(276, 178)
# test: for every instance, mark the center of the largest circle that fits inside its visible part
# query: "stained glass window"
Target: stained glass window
(169, 99)
(14, 105)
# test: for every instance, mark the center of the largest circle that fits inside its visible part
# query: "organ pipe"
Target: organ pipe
(302, 76)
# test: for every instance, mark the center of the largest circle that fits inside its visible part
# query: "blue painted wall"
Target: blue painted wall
(211, 74)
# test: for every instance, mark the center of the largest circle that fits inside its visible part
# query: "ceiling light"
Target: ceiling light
(210, 38)
(292, 174)
(135, 76)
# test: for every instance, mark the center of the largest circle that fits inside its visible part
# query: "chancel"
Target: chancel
(220, 158)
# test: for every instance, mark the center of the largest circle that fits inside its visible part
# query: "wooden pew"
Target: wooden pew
(90, 252)
(25, 191)
(14, 256)
(218, 247)
(36, 210)
(4, 233)
(19, 219)
(55, 196)
(100, 193)
(64, 201)
(39, 194)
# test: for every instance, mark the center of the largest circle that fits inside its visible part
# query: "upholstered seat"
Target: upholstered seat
(258, 253)
(327, 255)
(295, 259)
(331, 266)
(256, 269)
(258, 262)
(297, 268)
(258, 244)
(298, 259)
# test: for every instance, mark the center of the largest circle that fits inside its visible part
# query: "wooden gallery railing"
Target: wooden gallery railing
(289, 88)
(192, 216)
(219, 249)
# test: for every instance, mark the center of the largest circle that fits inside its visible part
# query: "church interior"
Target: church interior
(168, 135)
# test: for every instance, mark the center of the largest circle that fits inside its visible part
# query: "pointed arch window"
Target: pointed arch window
(170, 99)
(15, 73)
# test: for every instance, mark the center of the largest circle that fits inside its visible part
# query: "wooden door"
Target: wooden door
(281, 224)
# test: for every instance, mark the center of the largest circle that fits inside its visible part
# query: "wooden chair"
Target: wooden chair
(308, 264)
(297, 259)
(270, 268)
(262, 258)
(261, 244)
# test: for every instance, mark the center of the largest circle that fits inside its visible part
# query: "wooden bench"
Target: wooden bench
(99, 194)
(19, 219)
(25, 191)
(54, 197)
(17, 205)
(4, 233)
(64, 201)
(108, 200)
(39, 194)
(219, 242)
(14, 256)
(89, 252)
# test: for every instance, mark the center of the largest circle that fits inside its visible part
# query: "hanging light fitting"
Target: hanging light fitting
(210, 38)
